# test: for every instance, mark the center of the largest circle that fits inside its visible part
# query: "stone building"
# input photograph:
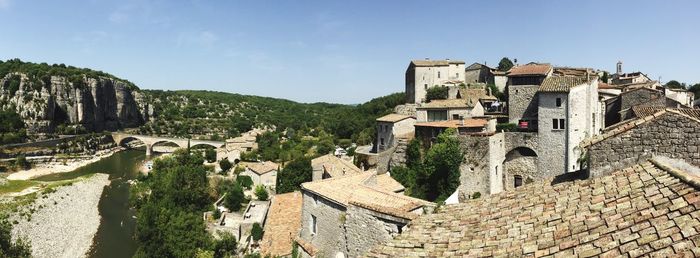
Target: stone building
(345, 216)
(645, 210)
(619, 108)
(329, 166)
(466, 103)
(262, 173)
(390, 128)
(424, 74)
(499, 79)
(683, 96)
(523, 83)
(427, 132)
(477, 72)
(668, 132)
(568, 112)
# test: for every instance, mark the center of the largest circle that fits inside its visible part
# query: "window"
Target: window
(381, 141)
(437, 115)
(455, 117)
(517, 181)
(438, 74)
(425, 86)
(558, 102)
(558, 124)
(313, 225)
(457, 75)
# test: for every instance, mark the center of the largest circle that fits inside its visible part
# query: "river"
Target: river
(114, 237)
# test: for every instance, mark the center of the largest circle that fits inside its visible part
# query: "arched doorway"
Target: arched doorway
(520, 167)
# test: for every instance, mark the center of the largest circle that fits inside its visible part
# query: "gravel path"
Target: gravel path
(66, 221)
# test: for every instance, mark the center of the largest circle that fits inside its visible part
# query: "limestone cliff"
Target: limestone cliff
(97, 103)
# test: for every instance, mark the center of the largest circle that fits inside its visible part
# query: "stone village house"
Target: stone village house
(392, 127)
(329, 166)
(345, 216)
(424, 74)
(262, 173)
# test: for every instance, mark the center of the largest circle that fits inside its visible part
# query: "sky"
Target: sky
(342, 51)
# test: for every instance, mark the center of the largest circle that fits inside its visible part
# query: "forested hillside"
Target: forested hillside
(218, 115)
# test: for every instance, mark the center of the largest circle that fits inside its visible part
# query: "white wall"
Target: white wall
(427, 76)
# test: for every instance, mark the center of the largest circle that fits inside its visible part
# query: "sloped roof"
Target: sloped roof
(283, 224)
(561, 83)
(335, 166)
(633, 123)
(393, 118)
(649, 209)
(572, 71)
(367, 191)
(645, 111)
(262, 167)
(454, 123)
(447, 103)
(476, 66)
(530, 69)
(435, 62)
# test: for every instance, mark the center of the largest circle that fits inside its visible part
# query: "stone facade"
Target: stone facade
(477, 73)
(667, 133)
(365, 228)
(330, 228)
(522, 103)
(424, 74)
(388, 132)
(482, 168)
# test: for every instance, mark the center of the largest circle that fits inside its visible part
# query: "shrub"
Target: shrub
(256, 232)
(437, 92)
(245, 181)
(210, 155)
(507, 127)
(261, 193)
(225, 165)
(234, 197)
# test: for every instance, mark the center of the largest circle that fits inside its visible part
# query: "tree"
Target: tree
(673, 84)
(442, 166)
(261, 193)
(505, 64)
(256, 232)
(605, 76)
(22, 163)
(210, 155)
(437, 92)
(245, 181)
(225, 246)
(19, 249)
(234, 197)
(225, 165)
(293, 175)
(695, 89)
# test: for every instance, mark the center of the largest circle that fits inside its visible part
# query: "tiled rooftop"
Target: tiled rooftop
(335, 166)
(649, 209)
(530, 69)
(447, 103)
(283, 224)
(366, 190)
(393, 118)
(642, 111)
(262, 167)
(435, 62)
(561, 83)
(454, 123)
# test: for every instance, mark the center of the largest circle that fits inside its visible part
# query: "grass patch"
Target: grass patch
(13, 186)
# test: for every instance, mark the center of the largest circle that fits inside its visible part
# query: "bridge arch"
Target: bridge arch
(520, 166)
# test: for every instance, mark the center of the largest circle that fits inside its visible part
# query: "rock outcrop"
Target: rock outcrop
(97, 104)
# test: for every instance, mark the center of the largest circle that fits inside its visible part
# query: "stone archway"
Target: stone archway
(520, 166)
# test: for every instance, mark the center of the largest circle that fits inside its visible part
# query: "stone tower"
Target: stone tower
(619, 67)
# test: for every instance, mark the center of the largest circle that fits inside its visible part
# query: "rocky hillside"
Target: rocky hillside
(51, 97)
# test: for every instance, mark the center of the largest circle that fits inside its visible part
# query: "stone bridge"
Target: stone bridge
(149, 141)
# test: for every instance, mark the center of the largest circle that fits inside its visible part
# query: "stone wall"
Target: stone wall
(474, 170)
(522, 102)
(406, 109)
(523, 166)
(365, 230)
(330, 232)
(398, 156)
(671, 135)
(552, 153)
(641, 96)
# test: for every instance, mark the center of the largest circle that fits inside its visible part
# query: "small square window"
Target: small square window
(558, 102)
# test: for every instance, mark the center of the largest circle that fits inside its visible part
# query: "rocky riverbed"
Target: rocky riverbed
(64, 221)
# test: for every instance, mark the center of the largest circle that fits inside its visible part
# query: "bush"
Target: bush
(210, 155)
(217, 213)
(261, 193)
(20, 248)
(22, 163)
(226, 245)
(507, 127)
(234, 197)
(436, 92)
(256, 232)
(245, 181)
(225, 165)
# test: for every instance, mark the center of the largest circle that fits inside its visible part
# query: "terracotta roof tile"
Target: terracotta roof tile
(367, 189)
(530, 69)
(393, 118)
(643, 210)
(262, 167)
(447, 103)
(561, 83)
(335, 166)
(454, 123)
(283, 224)
(435, 62)
(626, 126)
(644, 111)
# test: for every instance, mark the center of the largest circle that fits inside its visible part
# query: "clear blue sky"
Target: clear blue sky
(342, 51)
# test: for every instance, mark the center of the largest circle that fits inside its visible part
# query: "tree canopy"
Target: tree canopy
(437, 92)
(673, 84)
(293, 175)
(505, 64)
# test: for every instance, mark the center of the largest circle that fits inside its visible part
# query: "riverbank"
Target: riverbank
(61, 167)
(63, 222)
